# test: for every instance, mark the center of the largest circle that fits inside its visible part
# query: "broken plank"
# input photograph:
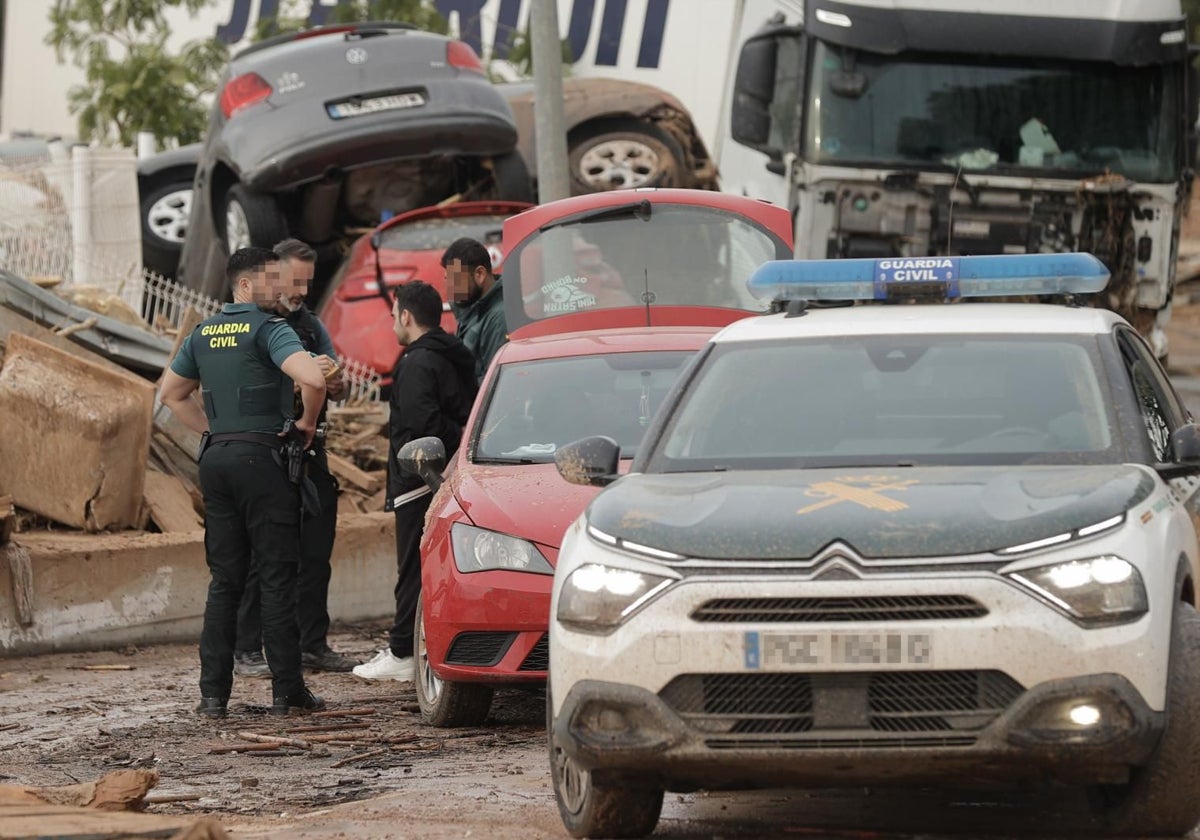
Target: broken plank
(345, 471)
(170, 503)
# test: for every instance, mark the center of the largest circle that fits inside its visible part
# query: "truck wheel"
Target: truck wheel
(622, 154)
(251, 218)
(165, 209)
(1160, 798)
(444, 703)
(591, 810)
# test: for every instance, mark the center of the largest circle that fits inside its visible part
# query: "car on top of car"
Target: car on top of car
(356, 305)
(609, 296)
(877, 538)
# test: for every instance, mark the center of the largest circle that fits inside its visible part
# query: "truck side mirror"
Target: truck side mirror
(424, 457)
(754, 87)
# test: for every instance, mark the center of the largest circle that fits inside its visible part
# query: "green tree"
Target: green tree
(133, 82)
(292, 17)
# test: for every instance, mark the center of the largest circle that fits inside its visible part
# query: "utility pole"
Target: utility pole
(550, 131)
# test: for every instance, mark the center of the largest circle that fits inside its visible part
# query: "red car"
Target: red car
(406, 247)
(608, 296)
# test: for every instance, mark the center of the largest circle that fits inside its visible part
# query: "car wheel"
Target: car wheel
(251, 218)
(622, 154)
(1160, 798)
(165, 209)
(445, 703)
(510, 177)
(593, 810)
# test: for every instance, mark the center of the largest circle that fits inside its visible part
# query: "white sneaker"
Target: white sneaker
(387, 666)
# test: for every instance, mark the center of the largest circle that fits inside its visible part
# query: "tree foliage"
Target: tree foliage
(134, 83)
(291, 16)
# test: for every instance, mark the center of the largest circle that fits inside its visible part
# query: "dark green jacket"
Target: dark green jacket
(482, 328)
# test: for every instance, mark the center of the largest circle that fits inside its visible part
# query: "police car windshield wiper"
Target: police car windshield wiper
(637, 210)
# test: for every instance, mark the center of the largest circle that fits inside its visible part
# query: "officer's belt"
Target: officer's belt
(262, 438)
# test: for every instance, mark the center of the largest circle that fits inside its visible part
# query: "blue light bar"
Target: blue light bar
(894, 278)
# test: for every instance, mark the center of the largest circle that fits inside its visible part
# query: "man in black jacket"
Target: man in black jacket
(433, 387)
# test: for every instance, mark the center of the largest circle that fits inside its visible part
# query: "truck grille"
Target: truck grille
(810, 610)
(479, 648)
(538, 658)
(824, 711)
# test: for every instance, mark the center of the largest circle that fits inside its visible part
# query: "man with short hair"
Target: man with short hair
(244, 361)
(476, 299)
(319, 530)
(433, 388)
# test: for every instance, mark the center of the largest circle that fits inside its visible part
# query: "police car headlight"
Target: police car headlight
(1100, 590)
(597, 598)
(479, 550)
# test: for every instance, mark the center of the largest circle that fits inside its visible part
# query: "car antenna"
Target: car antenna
(647, 297)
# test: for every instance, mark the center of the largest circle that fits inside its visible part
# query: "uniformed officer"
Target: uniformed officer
(244, 361)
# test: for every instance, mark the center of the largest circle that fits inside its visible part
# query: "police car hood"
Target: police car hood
(880, 513)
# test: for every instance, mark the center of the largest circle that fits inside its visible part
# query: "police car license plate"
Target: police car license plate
(390, 102)
(799, 650)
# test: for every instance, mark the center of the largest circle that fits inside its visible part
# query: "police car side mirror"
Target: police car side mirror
(591, 461)
(424, 457)
(1185, 449)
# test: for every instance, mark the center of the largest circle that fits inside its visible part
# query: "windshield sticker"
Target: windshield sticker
(566, 295)
(865, 491)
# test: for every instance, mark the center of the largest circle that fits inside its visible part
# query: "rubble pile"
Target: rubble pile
(88, 447)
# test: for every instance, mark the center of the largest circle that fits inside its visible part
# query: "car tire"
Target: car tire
(445, 703)
(164, 208)
(622, 154)
(250, 218)
(510, 178)
(589, 809)
(1160, 798)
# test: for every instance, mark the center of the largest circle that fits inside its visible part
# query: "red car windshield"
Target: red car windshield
(527, 418)
(436, 234)
(678, 255)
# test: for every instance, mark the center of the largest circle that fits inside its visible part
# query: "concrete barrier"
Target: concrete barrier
(77, 592)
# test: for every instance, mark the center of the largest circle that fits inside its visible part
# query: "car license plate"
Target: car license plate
(391, 102)
(798, 650)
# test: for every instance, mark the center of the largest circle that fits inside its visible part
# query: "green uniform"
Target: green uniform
(481, 326)
(251, 509)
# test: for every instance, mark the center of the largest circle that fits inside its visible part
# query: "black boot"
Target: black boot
(300, 702)
(212, 707)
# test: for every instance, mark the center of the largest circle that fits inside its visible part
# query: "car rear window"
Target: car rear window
(536, 407)
(894, 401)
(675, 255)
(437, 234)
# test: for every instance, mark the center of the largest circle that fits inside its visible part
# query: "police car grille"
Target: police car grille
(809, 610)
(477, 648)
(826, 711)
(538, 658)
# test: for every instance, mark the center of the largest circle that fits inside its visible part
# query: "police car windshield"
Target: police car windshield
(1000, 115)
(678, 255)
(893, 400)
(536, 407)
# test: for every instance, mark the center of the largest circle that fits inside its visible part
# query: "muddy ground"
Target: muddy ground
(384, 774)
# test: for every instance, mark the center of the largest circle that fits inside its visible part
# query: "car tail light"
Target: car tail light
(243, 91)
(364, 286)
(459, 54)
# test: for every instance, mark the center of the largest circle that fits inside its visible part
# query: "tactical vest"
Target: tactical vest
(243, 389)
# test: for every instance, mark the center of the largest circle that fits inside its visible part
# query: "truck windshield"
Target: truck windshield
(1039, 117)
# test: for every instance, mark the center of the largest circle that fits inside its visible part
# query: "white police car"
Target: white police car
(890, 543)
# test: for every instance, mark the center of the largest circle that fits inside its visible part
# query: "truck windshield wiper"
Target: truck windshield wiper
(638, 210)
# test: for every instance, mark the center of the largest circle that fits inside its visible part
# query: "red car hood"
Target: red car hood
(530, 501)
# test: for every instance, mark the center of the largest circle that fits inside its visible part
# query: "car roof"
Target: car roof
(922, 319)
(593, 342)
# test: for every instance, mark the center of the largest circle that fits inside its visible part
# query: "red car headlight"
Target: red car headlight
(479, 550)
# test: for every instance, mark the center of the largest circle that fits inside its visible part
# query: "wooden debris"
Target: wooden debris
(331, 713)
(275, 739)
(353, 758)
(86, 324)
(170, 503)
(101, 667)
(245, 748)
(329, 727)
(347, 473)
(8, 519)
(20, 571)
(162, 798)
(122, 790)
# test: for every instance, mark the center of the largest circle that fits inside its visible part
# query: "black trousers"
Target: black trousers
(251, 511)
(410, 522)
(312, 588)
